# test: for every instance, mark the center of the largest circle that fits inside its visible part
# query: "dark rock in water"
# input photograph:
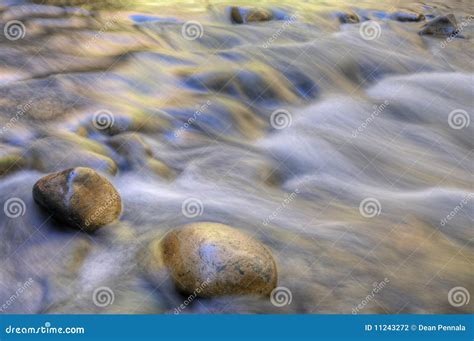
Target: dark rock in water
(236, 16)
(80, 197)
(348, 18)
(211, 259)
(240, 15)
(131, 147)
(259, 14)
(407, 16)
(441, 26)
(137, 154)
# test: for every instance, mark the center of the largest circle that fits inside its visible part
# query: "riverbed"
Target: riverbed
(344, 146)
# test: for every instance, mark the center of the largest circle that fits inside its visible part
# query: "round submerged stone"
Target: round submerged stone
(80, 197)
(241, 15)
(211, 259)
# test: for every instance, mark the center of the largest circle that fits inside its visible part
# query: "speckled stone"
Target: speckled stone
(348, 18)
(210, 259)
(80, 197)
(441, 26)
(240, 15)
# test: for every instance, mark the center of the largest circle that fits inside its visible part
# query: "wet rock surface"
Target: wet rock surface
(348, 18)
(407, 16)
(219, 260)
(441, 26)
(269, 126)
(80, 197)
(241, 15)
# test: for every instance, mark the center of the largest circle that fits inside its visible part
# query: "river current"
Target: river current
(345, 148)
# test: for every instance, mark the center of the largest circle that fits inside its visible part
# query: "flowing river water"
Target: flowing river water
(346, 150)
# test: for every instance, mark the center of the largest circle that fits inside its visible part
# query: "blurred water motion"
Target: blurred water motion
(346, 148)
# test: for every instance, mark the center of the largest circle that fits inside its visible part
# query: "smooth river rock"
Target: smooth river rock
(80, 197)
(407, 16)
(348, 18)
(441, 26)
(240, 15)
(211, 259)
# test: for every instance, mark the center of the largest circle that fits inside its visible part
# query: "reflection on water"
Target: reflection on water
(345, 148)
